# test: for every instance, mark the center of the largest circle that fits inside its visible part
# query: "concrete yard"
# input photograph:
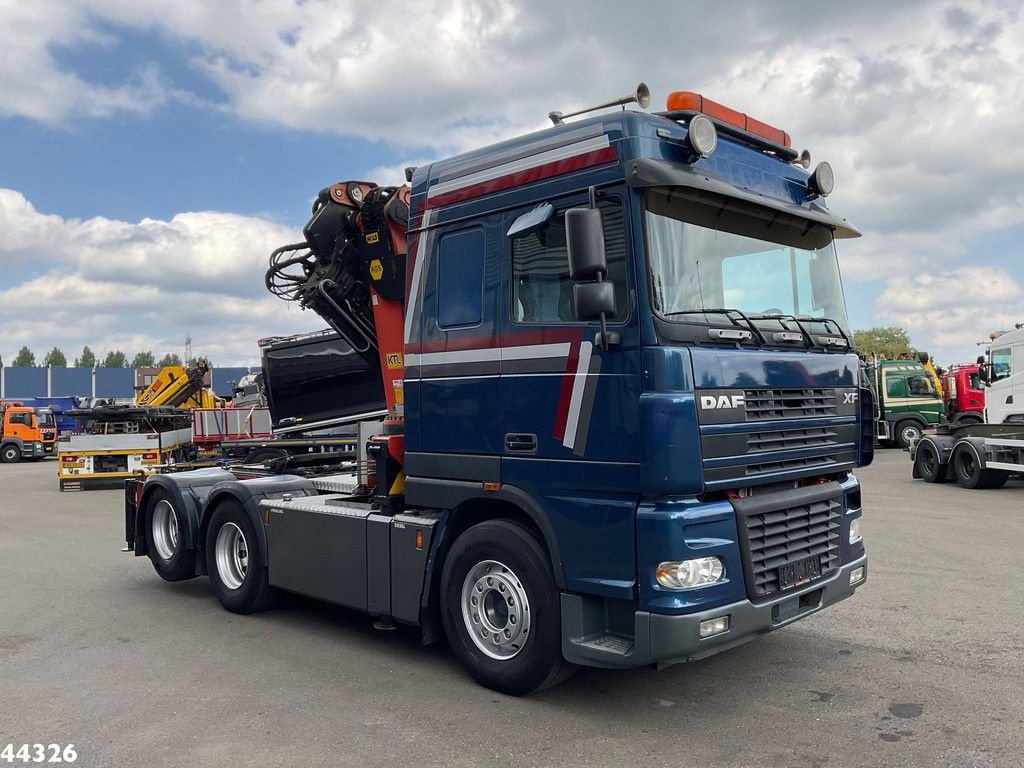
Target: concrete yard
(922, 667)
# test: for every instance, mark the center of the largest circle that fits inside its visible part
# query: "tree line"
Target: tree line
(55, 358)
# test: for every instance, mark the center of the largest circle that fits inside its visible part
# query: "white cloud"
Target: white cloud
(142, 285)
(947, 313)
(917, 105)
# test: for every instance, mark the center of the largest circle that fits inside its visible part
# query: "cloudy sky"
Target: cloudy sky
(153, 153)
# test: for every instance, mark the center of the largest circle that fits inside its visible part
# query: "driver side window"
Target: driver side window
(541, 285)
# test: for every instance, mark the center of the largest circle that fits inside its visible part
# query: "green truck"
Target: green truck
(906, 401)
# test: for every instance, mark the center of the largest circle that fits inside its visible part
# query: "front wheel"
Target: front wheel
(907, 432)
(10, 453)
(237, 571)
(501, 609)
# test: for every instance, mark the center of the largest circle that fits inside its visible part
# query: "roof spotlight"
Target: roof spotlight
(702, 135)
(822, 180)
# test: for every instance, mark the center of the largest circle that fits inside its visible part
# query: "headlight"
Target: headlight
(686, 574)
(855, 530)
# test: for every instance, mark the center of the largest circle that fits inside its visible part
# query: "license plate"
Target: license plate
(73, 464)
(800, 572)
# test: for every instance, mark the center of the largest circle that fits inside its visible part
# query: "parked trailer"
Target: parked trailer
(975, 456)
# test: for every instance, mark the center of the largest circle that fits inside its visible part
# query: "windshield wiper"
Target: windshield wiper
(824, 341)
(728, 312)
(782, 318)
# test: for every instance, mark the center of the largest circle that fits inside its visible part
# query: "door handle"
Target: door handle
(518, 442)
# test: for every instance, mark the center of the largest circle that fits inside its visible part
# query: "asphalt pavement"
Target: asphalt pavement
(924, 666)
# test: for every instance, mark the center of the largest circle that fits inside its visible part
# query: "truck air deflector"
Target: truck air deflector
(648, 172)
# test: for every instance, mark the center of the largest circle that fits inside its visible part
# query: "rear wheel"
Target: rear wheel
(10, 453)
(237, 571)
(168, 550)
(970, 470)
(907, 432)
(929, 467)
(501, 609)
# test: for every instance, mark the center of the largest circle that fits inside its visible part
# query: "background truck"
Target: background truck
(983, 455)
(121, 441)
(623, 409)
(26, 432)
(906, 400)
(964, 394)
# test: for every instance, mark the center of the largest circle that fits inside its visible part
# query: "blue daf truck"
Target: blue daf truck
(623, 408)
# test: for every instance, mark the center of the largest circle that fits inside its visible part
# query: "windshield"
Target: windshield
(45, 418)
(717, 252)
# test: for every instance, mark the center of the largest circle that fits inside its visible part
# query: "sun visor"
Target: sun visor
(647, 172)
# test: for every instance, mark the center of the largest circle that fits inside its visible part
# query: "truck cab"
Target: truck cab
(964, 394)
(625, 409)
(26, 432)
(1004, 396)
(907, 401)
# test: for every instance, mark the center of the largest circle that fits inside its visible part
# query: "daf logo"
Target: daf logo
(849, 398)
(711, 402)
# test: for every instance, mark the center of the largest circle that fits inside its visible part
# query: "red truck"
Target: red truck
(963, 394)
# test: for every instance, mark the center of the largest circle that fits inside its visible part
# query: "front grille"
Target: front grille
(783, 439)
(765, 404)
(820, 463)
(778, 537)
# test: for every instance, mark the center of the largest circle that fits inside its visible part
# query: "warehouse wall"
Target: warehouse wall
(85, 382)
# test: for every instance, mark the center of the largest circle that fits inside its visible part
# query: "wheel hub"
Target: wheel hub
(231, 552)
(495, 609)
(165, 530)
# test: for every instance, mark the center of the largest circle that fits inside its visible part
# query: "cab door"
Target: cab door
(570, 409)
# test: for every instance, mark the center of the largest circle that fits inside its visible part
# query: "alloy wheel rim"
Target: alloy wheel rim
(165, 530)
(495, 610)
(232, 555)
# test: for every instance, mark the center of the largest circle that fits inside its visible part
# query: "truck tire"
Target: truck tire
(501, 609)
(167, 528)
(970, 471)
(237, 572)
(10, 453)
(928, 465)
(906, 432)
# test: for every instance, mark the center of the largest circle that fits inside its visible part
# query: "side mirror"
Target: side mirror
(584, 239)
(592, 300)
(822, 279)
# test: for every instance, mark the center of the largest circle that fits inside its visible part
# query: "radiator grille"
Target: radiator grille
(783, 439)
(765, 404)
(779, 537)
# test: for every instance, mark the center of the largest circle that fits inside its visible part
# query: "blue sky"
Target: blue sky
(151, 155)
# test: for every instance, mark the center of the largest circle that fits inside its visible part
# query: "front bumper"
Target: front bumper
(669, 639)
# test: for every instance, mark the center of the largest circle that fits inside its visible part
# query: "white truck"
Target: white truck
(983, 455)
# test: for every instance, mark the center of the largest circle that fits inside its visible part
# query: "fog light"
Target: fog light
(686, 574)
(822, 180)
(855, 530)
(714, 626)
(856, 575)
(702, 135)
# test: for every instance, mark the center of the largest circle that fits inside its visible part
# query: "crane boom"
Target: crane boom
(350, 270)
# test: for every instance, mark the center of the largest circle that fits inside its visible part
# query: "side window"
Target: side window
(919, 386)
(1001, 363)
(541, 287)
(895, 386)
(460, 259)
